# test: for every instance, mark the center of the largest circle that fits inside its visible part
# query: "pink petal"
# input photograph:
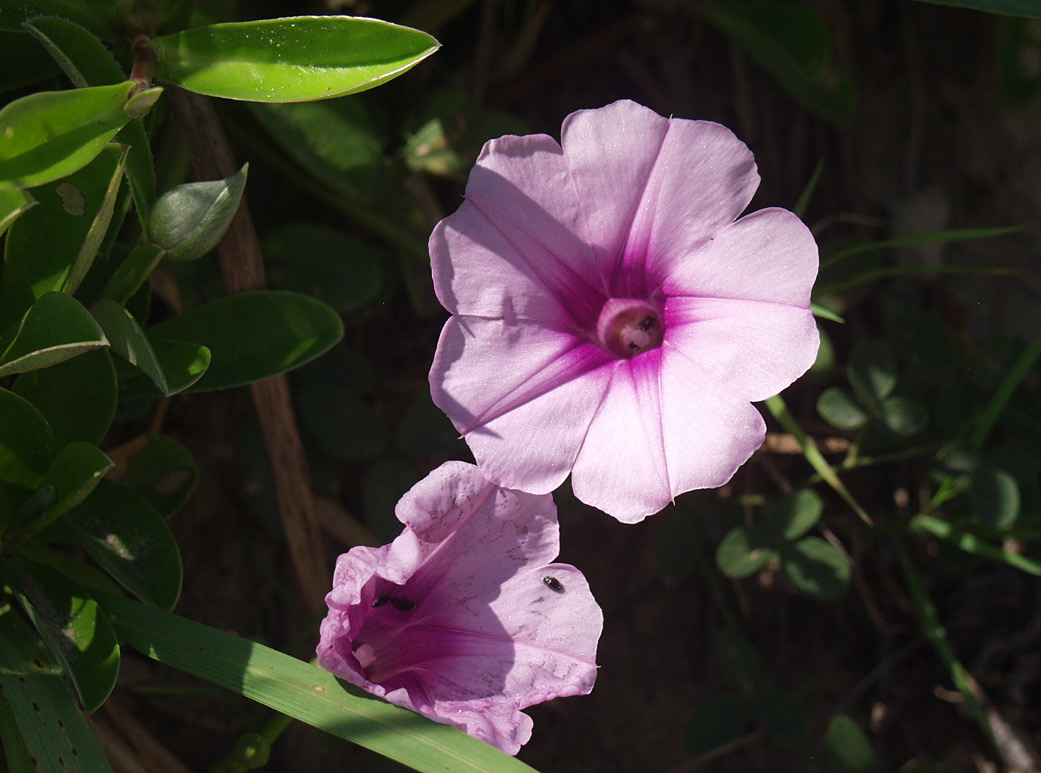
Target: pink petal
(522, 393)
(769, 255)
(519, 221)
(749, 349)
(703, 179)
(621, 468)
(610, 153)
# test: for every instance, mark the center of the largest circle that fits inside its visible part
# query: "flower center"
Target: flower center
(627, 327)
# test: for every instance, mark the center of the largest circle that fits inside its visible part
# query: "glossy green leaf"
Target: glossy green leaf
(22, 60)
(1027, 8)
(793, 45)
(903, 415)
(56, 328)
(796, 513)
(837, 407)
(73, 474)
(50, 134)
(744, 551)
(52, 246)
(87, 62)
(252, 336)
(994, 494)
(15, 752)
(78, 397)
(189, 220)
(182, 365)
(335, 267)
(871, 370)
(44, 703)
(12, 204)
(302, 691)
(849, 750)
(98, 16)
(162, 472)
(129, 341)
(74, 627)
(25, 441)
(817, 568)
(128, 539)
(133, 273)
(290, 60)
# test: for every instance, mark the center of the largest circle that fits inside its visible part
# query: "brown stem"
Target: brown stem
(243, 269)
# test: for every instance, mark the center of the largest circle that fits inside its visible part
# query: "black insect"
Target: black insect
(553, 584)
(402, 605)
(647, 322)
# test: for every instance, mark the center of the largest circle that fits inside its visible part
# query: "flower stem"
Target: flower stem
(779, 409)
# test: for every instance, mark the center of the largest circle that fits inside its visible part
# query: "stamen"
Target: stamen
(628, 327)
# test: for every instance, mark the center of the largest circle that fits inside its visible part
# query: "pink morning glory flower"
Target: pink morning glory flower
(463, 618)
(612, 316)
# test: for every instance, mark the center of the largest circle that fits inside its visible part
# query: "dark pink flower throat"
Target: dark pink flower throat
(627, 327)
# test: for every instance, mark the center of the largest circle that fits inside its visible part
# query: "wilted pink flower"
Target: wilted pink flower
(612, 317)
(462, 618)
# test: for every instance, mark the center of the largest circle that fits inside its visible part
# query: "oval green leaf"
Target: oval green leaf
(25, 441)
(53, 726)
(872, 370)
(73, 474)
(189, 220)
(74, 627)
(796, 514)
(744, 551)
(128, 340)
(817, 568)
(837, 407)
(252, 336)
(52, 246)
(129, 540)
(303, 691)
(56, 328)
(849, 750)
(77, 397)
(290, 60)
(994, 494)
(181, 364)
(904, 416)
(162, 472)
(50, 134)
(98, 16)
(12, 204)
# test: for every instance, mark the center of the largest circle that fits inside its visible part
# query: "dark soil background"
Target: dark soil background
(932, 144)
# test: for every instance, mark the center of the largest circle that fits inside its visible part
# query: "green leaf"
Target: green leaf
(903, 415)
(54, 728)
(335, 267)
(129, 341)
(995, 498)
(81, 56)
(74, 627)
(182, 365)
(302, 691)
(290, 60)
(817, 568)
(98, 16)
(735, 656)
(796, 514)
(12, 204)
(189, 220)
(11, 741)
(130, 540)
(837, 407)
(22, 61)
(87, 62)
(252, 336)
(50, 134)
(744, 551)
(73, 474)
(793, 45)
(1027, 8)
(56, 328)
(871, 370)
(52, 246)
(849, 750)
(25, 441)
(133, 272)
(78, 397)
(162, 472)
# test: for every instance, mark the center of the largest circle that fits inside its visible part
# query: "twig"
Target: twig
(243, 269)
